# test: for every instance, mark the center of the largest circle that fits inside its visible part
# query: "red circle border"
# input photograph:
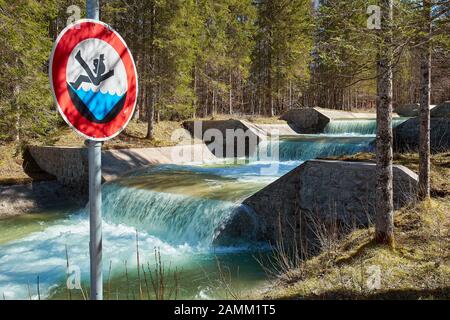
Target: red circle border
(64, 45)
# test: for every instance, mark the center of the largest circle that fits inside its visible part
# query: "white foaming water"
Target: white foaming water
(356, 127)
(43, 254)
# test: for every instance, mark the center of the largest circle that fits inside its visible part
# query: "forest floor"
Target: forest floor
(11, 171)
(354, 267)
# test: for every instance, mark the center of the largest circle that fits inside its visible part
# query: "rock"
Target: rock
(441, 110)
(408, 110)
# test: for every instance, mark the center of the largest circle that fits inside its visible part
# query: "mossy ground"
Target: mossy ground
(417, 268)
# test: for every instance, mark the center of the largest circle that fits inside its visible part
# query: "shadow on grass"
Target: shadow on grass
(394, 294)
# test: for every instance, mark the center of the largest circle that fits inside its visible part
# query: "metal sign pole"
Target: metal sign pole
(95, 195)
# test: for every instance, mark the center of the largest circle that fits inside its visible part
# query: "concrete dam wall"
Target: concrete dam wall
(317, 191)
(314, 120)
(70, 165)
(406, 135)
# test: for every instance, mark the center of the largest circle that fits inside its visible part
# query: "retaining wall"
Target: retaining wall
(70, 165)
(314, 120)
(336, 192)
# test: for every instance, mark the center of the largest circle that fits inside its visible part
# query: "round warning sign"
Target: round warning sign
(93, 79)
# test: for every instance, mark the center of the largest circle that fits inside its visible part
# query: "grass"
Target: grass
(132, 137)
(145, 281)
(357, 268)
(11, 171)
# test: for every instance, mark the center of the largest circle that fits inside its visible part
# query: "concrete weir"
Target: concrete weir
(314, 120)
(234, 138)
(318, 191)
(406, 135)
(224, 137)
(70, 166)
(68, 169)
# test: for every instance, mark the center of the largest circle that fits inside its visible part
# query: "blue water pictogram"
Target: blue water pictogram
(99, 104)
(96, 106)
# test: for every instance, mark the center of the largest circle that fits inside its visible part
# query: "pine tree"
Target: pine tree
(384, 207)
(425, 87)
(163, 36)
(282, 51)
(26, 108)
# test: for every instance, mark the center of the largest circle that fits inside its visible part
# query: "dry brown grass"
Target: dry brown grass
(254, 119)
(11, 165)
(417, 269)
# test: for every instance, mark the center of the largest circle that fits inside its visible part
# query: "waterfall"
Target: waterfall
(175, 218)
(356, 127)
(311, 147)
(181, 204)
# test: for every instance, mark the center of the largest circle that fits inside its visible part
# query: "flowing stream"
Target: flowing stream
(169, 214)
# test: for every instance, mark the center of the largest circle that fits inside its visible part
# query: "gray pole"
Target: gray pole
(95, 195)
(95, 217)
(93, 9)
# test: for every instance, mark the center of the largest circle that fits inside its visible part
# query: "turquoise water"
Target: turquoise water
(174, 209)
(307, 147)
(99, 103)
(356, 127)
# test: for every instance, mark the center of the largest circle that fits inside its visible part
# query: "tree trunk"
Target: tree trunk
(269, 97)
(425, 87)
(214, 102)
(230, 101)
(194, 113)
(150, 115)
(151, 90)
(384, 220)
